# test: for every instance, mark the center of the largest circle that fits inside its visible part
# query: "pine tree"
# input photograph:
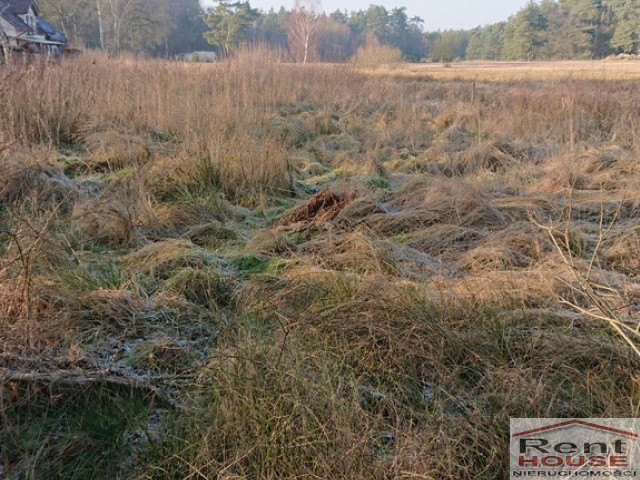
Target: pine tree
(626, 36)
(582, 24)
(486, 43)
(524, 34)
(229, 23)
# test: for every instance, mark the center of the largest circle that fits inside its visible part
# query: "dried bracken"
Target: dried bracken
(322, 207)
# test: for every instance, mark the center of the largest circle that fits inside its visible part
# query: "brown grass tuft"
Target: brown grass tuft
(212, 234)
(110, 150)
(444, 240)
(116, 216)
(323, 206)
(427, 202)
(487, 258)
(161, 259)
(270, 242)
(354, 252)
(33, 174)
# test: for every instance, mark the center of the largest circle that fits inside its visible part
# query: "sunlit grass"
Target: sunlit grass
(252, 269)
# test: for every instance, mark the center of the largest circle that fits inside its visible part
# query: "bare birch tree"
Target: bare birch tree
(303, 27)
(100, 27)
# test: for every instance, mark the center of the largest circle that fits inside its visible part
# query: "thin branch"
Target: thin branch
(586, 287)
(81, 377)
(602, 234)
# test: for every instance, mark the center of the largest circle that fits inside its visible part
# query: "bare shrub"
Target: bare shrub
(324, 205)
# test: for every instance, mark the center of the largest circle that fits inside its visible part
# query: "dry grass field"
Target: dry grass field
(252, 270)
(609, 69)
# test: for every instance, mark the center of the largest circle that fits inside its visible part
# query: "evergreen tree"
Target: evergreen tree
(580, 27)
(270, 28)
(406, 34)
(357, 23)
(486, 43)
(377, 19)
(187, 27)
(524, 34)
(449, 45)
(229, 24)
(565, 37)
(626, 36)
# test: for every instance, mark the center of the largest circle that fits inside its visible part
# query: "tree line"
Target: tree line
(169, 27)
(156, 27)
(562, 29)
(309, 34)
(547, 29)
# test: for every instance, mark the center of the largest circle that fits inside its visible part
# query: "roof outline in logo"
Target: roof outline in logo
(575, 422)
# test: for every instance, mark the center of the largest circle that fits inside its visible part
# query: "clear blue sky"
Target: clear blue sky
(437, 14)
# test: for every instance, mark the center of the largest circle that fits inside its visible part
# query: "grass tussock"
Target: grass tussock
(442, 239)
(159, 260)
(427, 202)
(111, 151)
(32, 173)
(211, 234)
(249, 269)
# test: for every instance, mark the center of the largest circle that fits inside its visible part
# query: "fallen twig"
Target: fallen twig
(108, 376)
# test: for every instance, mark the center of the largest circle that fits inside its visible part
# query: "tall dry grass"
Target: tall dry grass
(181, 297)
(221, 115)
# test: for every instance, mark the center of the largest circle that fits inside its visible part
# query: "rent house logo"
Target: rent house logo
(575, 448)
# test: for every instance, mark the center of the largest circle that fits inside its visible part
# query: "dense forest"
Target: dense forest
(550, 29)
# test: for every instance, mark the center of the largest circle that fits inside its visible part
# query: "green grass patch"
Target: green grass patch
(81, 432)
(379, 182)
(204, 286)
(254, 264)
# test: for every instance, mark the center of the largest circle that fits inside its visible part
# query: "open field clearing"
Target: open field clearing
(609, 69)
(252, 270)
